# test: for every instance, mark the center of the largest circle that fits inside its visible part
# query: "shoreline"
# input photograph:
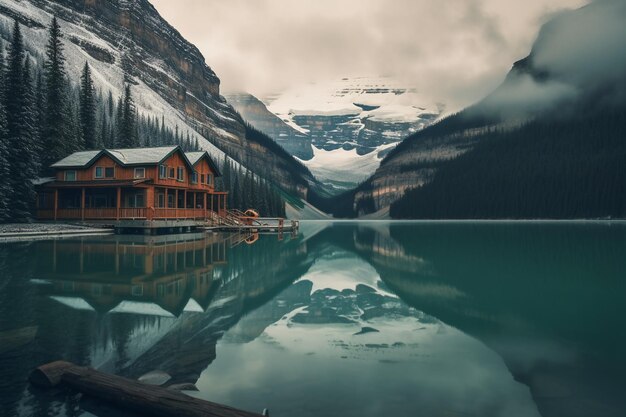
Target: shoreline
(17, 231)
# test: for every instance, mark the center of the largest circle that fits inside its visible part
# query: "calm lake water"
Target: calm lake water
(345, 319)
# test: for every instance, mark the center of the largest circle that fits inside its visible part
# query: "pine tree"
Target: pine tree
(110, 104)
(75, 140)
(54, 132)
(5, 187)
(23, 153)
(127, 125)
(87, 109)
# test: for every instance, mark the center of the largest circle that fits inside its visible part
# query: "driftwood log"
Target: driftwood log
(129, 394)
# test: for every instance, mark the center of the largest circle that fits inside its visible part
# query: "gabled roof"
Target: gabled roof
(195, 157)
(124, 157)
(77, 159)
(142, 156)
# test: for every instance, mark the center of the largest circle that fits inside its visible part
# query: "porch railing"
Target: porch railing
(101, 213)
(111, 213)
(133, 213)
(180, 213)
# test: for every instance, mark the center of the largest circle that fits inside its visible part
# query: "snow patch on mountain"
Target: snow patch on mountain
(107, 77)
(377, 97)
(343, 169)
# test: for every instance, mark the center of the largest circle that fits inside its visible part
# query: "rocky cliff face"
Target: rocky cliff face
(355, 113)
(129, 41)
(253, 111)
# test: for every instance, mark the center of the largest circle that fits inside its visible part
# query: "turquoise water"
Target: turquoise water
(345, 319)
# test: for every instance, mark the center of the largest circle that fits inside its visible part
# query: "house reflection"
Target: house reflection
(160, 275)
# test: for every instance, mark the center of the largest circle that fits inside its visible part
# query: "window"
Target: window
(70, 175)
(209, 179)
(136, 290)
(162, 171)
(136, 200)
(96, 289)
(104, 172)
(171, 173)
(139, 200)
(140, 173)
(202, 179)
(180, 175)
(194, 178)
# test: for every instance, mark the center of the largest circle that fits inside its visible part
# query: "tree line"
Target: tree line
(45, 116)
(558, 167)
(246, 190)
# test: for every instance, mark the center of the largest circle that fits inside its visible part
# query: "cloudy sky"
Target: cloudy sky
(455, 51)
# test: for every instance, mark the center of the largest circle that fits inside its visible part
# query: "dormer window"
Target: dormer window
(104, 172)
(202, 179)
(180, 175)
(194, 178)
(140, 173)
(171, 173)
(70, 175)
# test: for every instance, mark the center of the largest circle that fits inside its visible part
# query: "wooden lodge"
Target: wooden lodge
(147, 186)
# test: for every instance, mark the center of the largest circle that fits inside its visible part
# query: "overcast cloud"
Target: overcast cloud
(455, 51)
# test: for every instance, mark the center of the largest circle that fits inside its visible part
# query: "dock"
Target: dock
(128, 394)
(226, 221)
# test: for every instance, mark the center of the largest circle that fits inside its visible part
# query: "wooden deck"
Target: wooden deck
(128, 213)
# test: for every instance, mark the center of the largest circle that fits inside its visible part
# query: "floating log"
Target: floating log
(129, 394)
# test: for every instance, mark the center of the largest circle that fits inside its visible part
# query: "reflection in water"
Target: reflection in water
(346, 319)
(548, 298)
(128, 305)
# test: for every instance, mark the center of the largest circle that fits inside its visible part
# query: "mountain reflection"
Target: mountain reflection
(446, 318)
(546, 297)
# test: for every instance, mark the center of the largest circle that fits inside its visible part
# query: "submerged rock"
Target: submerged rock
(155, 378)
(366, 329)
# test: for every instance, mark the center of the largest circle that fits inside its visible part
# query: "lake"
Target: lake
(344, 319)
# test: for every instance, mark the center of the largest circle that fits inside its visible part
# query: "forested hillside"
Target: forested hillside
(46, 115)
(550, 168)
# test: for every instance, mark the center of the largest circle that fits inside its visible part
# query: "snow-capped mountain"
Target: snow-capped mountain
(362, 113)
(351, 123)
(169, 75)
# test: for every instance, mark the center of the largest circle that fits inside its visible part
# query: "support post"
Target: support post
(150, 197)
(185, 204)
(82, 204)
(56, 202)
(118, 202)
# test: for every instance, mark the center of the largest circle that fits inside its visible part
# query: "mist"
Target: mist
(578, 54)
(455, 51)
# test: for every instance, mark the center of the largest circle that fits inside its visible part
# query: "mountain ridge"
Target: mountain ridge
(126, 41)
(540, 87)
